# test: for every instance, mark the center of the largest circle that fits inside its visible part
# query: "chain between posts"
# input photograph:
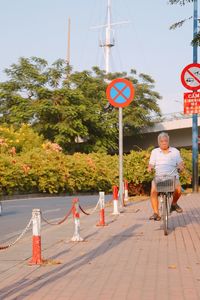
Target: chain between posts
(91, 212)
(28, 225)
(19, 237)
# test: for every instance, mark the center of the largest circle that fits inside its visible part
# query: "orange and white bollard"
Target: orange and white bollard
(115, 201)
(36, 239)
(125, 190)
(76, 214)
(102, 211)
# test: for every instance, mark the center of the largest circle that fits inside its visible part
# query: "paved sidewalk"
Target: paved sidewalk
(128, 259)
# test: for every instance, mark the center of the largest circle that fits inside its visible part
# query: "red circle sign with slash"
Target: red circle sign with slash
(120, 92)
(190, 77)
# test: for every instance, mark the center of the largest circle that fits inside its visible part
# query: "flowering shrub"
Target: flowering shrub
(48, 146)
(29, 164)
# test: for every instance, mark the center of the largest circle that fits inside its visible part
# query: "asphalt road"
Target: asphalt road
(17, 213)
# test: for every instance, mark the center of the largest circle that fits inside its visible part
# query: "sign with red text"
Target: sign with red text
(192, 103)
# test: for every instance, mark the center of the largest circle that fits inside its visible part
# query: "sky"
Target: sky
(39, 28)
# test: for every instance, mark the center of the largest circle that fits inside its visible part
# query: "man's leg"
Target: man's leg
(176, 196)
(154, 203)
(154, 199)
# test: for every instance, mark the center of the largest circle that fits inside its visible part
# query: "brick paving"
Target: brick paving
(128, 259)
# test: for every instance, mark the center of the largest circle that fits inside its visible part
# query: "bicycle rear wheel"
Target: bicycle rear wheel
(165, 214)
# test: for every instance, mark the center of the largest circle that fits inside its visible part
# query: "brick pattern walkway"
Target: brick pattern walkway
(128, 259)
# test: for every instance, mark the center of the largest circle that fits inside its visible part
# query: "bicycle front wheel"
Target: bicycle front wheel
(165, 215)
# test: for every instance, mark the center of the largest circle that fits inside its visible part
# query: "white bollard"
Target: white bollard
(76, 214)
(125, 190)
(102, 212)
(36, 239)
(115, 201)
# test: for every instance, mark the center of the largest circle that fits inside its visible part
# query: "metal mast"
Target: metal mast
(108, 43)
(68, 42)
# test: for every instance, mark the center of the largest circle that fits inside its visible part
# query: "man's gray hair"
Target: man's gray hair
(163, 135)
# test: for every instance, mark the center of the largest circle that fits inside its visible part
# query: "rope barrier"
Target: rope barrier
(83, 211)
(19, 237)
(60, 222)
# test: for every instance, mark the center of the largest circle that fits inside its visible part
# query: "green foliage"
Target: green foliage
(180, 2)
(22, 139)
(179, 24)
(92, 172)
(186, 175)
(70, 108)
(46, 169)
(135, 167)
(196, 39)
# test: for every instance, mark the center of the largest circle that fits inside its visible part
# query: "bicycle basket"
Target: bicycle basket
(165, 184)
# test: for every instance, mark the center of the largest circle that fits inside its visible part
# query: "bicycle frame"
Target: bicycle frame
(164, 200)
(165, 185)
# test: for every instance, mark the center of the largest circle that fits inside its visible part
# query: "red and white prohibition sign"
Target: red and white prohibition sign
(190, 77)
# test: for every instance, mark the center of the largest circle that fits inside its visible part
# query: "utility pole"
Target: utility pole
(195, 177)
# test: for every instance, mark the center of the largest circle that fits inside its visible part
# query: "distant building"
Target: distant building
(179, 128)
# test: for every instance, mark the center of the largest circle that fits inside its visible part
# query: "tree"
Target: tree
(70, 108)
(196, 39)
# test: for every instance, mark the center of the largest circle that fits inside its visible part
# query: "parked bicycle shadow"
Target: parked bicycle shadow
(60, 271)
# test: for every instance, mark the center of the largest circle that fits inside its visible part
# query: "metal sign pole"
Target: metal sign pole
(195, 179)
(120, 93)
(121, 156)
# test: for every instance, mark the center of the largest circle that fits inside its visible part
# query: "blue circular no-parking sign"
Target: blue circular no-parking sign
(120, 92)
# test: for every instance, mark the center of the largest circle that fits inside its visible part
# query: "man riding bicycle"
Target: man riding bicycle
(165, 160)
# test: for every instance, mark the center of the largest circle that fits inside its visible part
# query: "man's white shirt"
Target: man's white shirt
(165, 163)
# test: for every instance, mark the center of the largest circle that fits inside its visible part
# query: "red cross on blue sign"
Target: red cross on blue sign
(120, 92)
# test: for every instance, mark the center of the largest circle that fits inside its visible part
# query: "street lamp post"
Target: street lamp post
(195, 179)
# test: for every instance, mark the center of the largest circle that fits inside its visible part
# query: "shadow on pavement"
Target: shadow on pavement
(62, 270)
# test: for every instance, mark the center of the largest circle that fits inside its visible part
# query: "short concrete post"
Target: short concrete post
(102, 212)
(125, 190)
(76, 214)
(36, 239)
(115, 201)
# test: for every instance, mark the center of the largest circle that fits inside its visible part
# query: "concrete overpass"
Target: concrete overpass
(178, 126)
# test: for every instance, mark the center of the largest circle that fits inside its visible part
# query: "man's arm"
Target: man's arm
(150, 168)
(180, 163)
(152, 161)
(181, 166)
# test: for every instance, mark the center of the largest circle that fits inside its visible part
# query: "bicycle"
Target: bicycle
(165, 185)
